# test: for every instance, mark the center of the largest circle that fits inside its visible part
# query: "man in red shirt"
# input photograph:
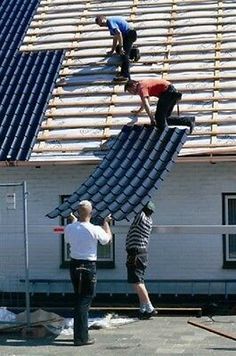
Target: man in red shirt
(168, 97)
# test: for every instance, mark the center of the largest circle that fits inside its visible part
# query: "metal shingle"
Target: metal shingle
(26, 82)
(134, 178)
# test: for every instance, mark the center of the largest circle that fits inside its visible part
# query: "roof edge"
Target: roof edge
(93, 161)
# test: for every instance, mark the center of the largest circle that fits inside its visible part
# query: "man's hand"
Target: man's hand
(137, 112)
(108, 218)
(110, 53)
(122, 51)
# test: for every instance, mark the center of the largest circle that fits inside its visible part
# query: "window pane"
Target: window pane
(232, 211)
(104, 252)
(232, 246)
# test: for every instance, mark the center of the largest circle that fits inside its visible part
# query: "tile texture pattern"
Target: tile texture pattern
(26, 82)
(136, 164)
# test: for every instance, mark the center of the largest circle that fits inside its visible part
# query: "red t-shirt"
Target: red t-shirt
(152, 87)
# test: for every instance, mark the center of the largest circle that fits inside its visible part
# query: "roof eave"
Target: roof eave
(92, 161)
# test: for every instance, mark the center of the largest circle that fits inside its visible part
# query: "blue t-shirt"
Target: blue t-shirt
(119, 23)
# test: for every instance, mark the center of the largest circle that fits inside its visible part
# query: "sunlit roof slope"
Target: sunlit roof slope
(135, 166)
(26, 82)
(191, 43)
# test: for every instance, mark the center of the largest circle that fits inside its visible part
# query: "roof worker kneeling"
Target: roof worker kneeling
(168, 96)
(124, 36)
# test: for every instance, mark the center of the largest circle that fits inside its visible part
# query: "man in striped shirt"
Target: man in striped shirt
(136, 246)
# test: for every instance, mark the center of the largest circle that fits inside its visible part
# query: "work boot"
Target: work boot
(182, 121)
(120, 79)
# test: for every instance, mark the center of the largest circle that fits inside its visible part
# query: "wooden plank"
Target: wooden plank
(73, 61)
(217, 73)
(73, 69)
(45, 148)
(76, 136)
(198, 40)
(157, 52)
(126, 112)
(212, 330)
(177, 39)
(119, 90)
(58, 103)
(175, 80)
(137, 19)
(97, 36)
(113, 123)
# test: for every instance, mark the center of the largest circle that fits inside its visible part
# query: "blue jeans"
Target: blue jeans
(83, 277)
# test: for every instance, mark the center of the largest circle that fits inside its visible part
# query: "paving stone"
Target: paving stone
(159, 336)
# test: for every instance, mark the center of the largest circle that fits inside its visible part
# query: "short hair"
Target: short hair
(129, 84)
(85, 203)
(99, 18)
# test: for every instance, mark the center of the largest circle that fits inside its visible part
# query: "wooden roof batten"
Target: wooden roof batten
(190, 43)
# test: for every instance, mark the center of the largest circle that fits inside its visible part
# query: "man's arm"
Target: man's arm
(145, 105)
(117, 39)
(106, 226)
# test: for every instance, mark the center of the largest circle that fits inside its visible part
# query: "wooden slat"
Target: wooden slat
(126, 112)
(113, 123)
(193, 99)
(173, 50)
(76, 136)
(67, 71)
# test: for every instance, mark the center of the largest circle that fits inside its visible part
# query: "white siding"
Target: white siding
(191, 194)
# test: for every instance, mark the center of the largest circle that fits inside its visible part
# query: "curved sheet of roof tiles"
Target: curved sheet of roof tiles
(26, 81)
(136, 164)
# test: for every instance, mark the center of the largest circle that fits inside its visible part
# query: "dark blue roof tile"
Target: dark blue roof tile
(136, 165)
(26, 81)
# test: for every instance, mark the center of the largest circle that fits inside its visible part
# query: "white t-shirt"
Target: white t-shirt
(83, 238)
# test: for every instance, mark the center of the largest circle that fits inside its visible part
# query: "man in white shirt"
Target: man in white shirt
(83, 237)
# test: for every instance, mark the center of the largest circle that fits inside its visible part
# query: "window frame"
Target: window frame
(100, 263)
(227, 263)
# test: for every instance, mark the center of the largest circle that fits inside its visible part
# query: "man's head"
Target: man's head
(101, 20)
(85, 210)
(132, 86)
(149, 208)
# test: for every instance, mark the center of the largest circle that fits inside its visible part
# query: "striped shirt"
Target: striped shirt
(139, 232)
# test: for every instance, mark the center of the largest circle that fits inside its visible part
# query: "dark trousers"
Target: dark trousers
(165, 106)
(83, 277)
(128, 40)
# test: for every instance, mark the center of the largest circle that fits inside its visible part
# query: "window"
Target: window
(105, 256)
(229, 240)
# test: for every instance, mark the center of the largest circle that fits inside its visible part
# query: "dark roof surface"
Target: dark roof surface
(136, 164)
(26, 81)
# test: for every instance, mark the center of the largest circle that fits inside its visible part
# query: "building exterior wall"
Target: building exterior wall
(191, 194)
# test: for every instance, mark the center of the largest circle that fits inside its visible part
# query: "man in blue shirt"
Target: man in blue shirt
(124, 36)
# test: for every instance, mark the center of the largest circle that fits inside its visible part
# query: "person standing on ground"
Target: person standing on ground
(136, 247)
(83, 237)
(124, 36)
(168, 97)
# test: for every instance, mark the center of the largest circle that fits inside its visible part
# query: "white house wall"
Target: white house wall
(191, 195)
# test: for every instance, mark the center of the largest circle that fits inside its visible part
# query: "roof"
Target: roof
(135, 166)
(26, 82)
(191, 43)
